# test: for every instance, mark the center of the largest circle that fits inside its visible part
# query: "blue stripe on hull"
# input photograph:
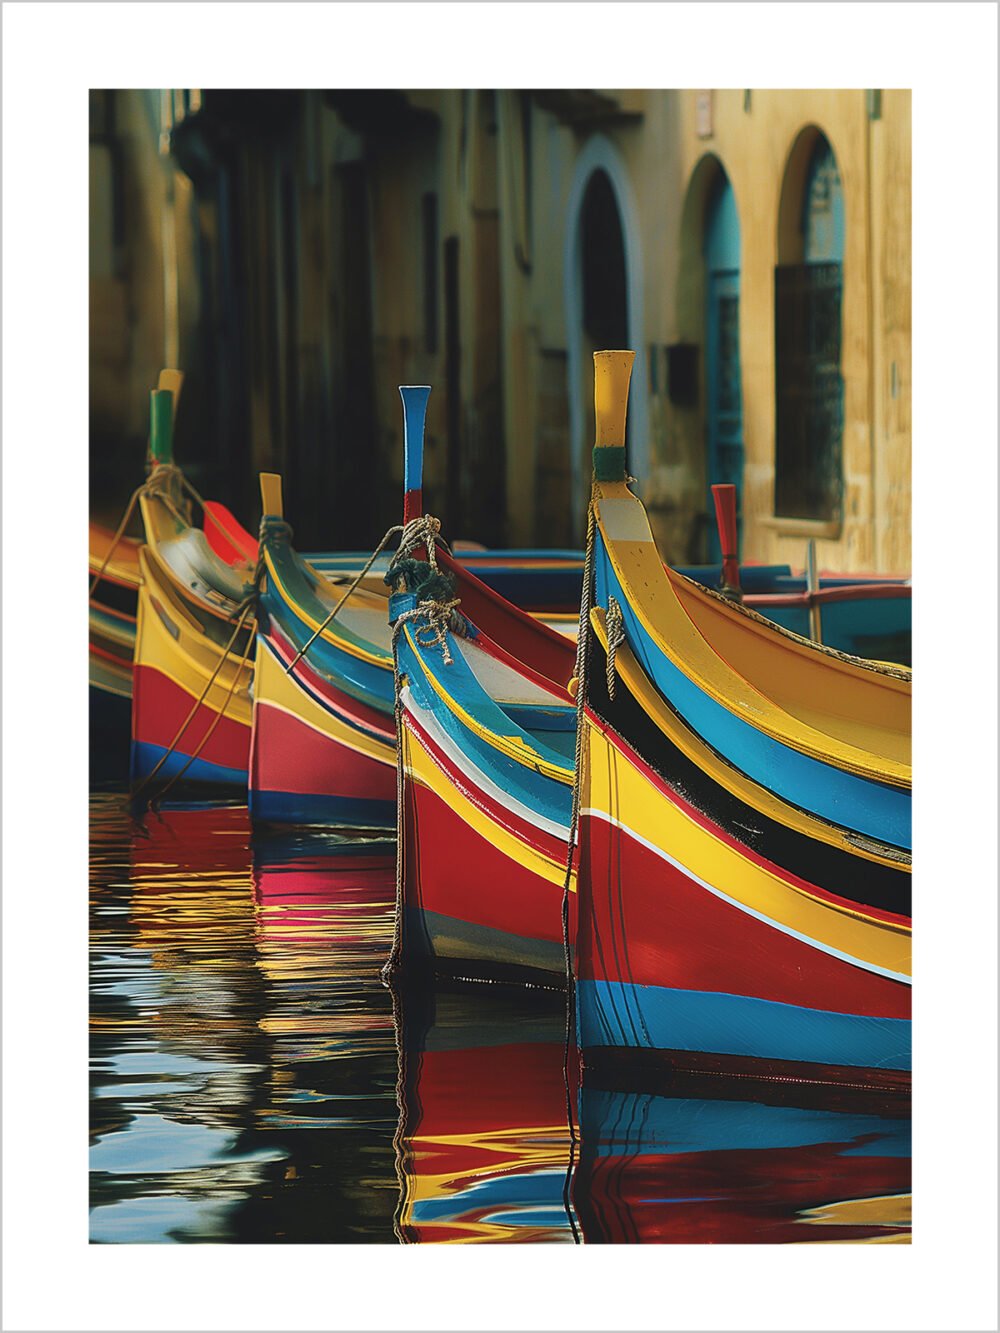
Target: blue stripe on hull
(278, 807)
(658, 1018)
(842, 798)
(145, 757)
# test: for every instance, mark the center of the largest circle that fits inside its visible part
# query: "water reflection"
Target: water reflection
(237, 1019)
(706, 1165)
(483, 1138)
(253, 1081)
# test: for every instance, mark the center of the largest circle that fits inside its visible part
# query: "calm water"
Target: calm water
(252, 1079)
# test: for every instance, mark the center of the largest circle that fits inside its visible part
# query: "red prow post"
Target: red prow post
(724, 496)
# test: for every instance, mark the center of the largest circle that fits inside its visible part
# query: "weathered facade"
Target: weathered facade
(303, 253)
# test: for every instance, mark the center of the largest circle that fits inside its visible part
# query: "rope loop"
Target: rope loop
(616, 637)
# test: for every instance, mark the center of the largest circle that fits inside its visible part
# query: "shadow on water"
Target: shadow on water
(253, 1081)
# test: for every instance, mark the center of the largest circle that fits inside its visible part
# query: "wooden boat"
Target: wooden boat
(324, 733)
(112, 613)
(191, 708)
(483, 1140)
(486, 730)
(744, 838)
(707, 1164)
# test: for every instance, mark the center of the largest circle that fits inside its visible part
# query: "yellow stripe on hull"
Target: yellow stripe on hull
(513, 746)
(824, 706)
(420, 767)
(331, 632)
(740, 786)
(614, 787)
(278, 689)
(190, 658)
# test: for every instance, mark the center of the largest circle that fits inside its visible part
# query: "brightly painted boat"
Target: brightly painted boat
(324, 732)
(705, 1163)
(191, 709)
(483, 1142)
(486, 728)
(745, 823)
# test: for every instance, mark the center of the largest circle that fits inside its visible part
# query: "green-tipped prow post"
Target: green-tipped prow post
(612, 373)
(271, 504)
(161, 427)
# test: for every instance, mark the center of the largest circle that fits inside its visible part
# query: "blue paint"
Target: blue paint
(723, 374)
(841, 798)
(544, 795)
(660, 1018)
(278, 807)
(145, 757)
(614, 1122)
(414, 398)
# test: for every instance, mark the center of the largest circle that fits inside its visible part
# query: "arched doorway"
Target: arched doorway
(604, 295)
(723, 380)
(808, 298)
(603, 302)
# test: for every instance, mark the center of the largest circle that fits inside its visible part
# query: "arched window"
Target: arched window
(724, 396)
(809, 387)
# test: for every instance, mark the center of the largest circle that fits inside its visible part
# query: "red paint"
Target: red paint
(724, 495)
(451, 870)
(528, 641)
(413, 505)
(748, 854)
(289, 756)
(657, 926)
(159, 708)
(731, 1197)
(530, 834)
(341, 704)
(227, 537)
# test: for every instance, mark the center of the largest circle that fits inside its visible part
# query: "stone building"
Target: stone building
(300, 254)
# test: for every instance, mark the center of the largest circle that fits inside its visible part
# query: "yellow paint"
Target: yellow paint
(690, 744)
(519, 1149)
(271, 502)
(420, 767)
(331, 632)
(614, 786)
(883, 1210)
(274, 686)
(190, 658)
(514, 747)
(612, 372)
(759, 675)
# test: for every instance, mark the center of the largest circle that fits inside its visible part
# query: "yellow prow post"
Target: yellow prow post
(612, 373)
(270, 495)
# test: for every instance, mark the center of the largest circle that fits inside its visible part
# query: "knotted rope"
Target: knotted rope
(616, 637)
(422, 531)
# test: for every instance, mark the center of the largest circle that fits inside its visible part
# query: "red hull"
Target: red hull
(660, 928)
(159, 709)
(290, 757)
(471, 887)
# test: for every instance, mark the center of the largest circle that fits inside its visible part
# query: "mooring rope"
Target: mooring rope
(440, 617)
(244, 609)
(422, 531)
(577, 687)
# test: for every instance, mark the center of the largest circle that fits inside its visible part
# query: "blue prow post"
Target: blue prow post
(414, 398)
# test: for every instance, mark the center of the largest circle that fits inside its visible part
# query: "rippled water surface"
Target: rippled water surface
(253, 1080)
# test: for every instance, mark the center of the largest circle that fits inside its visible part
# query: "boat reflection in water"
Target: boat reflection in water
(253, 1081)
(699, 1167)
(243, 1049)
(483, 1144)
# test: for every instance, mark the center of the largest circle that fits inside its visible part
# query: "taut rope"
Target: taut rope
(422, 531)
